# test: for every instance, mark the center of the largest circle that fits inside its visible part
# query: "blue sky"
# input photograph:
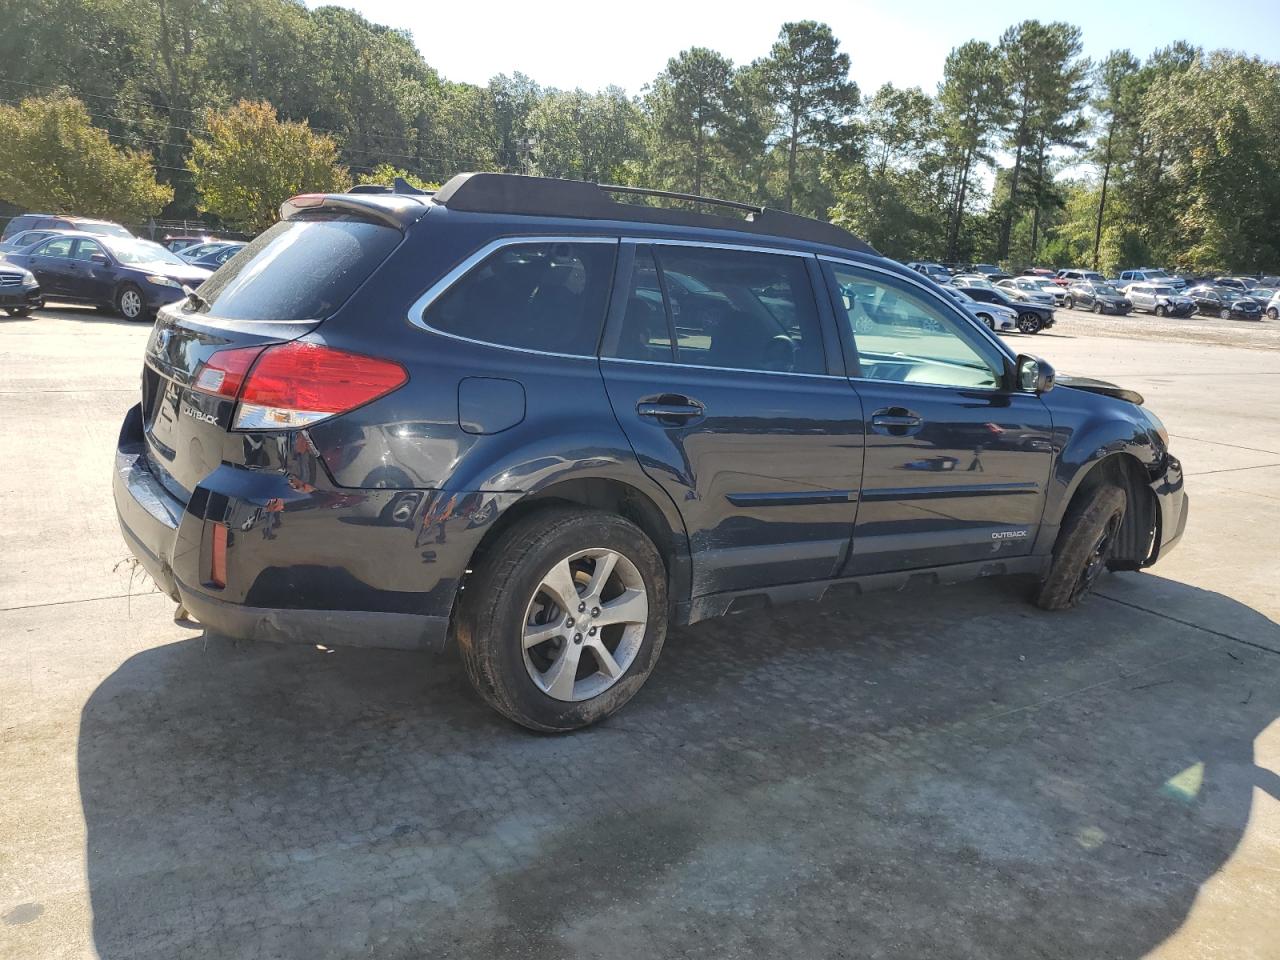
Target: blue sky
(570, 45)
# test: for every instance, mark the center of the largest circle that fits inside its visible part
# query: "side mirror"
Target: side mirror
(98, 258)
(1035, 375)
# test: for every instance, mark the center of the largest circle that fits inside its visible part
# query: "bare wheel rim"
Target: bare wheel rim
(130, 303)
(584, 624)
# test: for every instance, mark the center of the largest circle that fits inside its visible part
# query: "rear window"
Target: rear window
(536, 296)
(299, 269)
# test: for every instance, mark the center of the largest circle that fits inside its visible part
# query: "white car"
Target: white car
(971, 280)
(995, 316)
(1028, 290)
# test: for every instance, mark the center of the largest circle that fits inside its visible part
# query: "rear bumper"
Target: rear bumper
(305, 562)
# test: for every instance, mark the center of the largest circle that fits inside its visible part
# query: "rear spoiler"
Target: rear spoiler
(392, 210)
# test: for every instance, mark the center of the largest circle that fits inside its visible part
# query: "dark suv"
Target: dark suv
(549, 424)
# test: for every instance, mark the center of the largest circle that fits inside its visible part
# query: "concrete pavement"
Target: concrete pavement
(936, 773)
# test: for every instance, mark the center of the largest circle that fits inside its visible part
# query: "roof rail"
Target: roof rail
(547, 197)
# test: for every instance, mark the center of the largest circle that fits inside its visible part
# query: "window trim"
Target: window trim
(971, 324)
(473, 260)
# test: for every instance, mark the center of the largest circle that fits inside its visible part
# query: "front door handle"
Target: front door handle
(897, 421)
(670, 407)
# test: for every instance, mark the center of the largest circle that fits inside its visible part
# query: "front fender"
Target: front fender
(1089, 429)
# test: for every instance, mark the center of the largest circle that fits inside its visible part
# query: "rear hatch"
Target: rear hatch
(202, 350)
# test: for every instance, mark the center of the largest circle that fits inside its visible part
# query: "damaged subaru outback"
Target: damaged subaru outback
(547, 420)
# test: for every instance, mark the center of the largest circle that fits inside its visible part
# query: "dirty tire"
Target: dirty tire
(18, 311)
(491, 615)
(1077, 558)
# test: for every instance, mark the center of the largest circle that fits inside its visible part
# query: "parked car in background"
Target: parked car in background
(132, 276)
(1273, 306)
(972, 280)
(180, 241)
(560, 482)
(1161, 299)
(1032, 317)
(934, 271)
(19, 290)
(989, 270)
(1228, 303)
(197, 250)
(1098, 297)
(1151, 275)
(1027, 290)
(1244, 284)
(1065, 278)
(994, 316)
(1047, 284)
(53, 221)
(220, 254)
(1038, 272)
(27, 238)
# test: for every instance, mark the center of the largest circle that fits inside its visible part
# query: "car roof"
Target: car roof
(514, 195)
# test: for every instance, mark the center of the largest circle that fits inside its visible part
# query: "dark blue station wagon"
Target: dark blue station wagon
(546, 423)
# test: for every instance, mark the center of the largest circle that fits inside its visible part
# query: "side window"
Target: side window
(85, 249)
(742, 310)
(903, 335)
(536, 296)
(645, 333)
(61, 247)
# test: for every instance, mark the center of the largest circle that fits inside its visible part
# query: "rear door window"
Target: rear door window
(299, 269)
(60, 247)
(548, 296)
(741, 309)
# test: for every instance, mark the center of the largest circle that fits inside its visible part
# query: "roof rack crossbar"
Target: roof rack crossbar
(688, 197)
(510, 193)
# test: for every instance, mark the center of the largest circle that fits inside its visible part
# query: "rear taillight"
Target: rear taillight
(290, 385)
(222, 375)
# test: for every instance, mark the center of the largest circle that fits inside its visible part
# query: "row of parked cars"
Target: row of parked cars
(1145, 289)
(100, 263)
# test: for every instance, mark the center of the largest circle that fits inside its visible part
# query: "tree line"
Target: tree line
(1026, 153)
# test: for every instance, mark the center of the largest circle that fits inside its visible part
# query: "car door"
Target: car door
(91, 279)
(51, 264)
(956, 461)
(723, 369)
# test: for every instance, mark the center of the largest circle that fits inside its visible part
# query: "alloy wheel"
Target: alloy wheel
(1098, 557)
(130, 304)
(593, 602)
(1028, 323)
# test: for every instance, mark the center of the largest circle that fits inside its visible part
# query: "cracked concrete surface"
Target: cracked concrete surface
(936, 773)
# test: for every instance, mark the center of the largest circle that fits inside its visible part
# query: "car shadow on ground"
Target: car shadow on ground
(948, 773)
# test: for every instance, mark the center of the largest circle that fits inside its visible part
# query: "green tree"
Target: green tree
(53, 158)
(585, 136)
(386, 174)
(895, 195)
(249, 162)
(1115, 100)
(1225, 173)
(1046, 79)
(808, 78)
(973, 104)
(693, 105)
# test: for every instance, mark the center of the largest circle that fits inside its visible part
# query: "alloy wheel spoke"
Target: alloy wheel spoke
(559, 584)
(541, 633)
(631, 607)
(608, 666)
(559, 677)
(600, 575)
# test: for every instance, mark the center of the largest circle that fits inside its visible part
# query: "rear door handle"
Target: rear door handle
(890, 420)
(896, 420)
(670, 407)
